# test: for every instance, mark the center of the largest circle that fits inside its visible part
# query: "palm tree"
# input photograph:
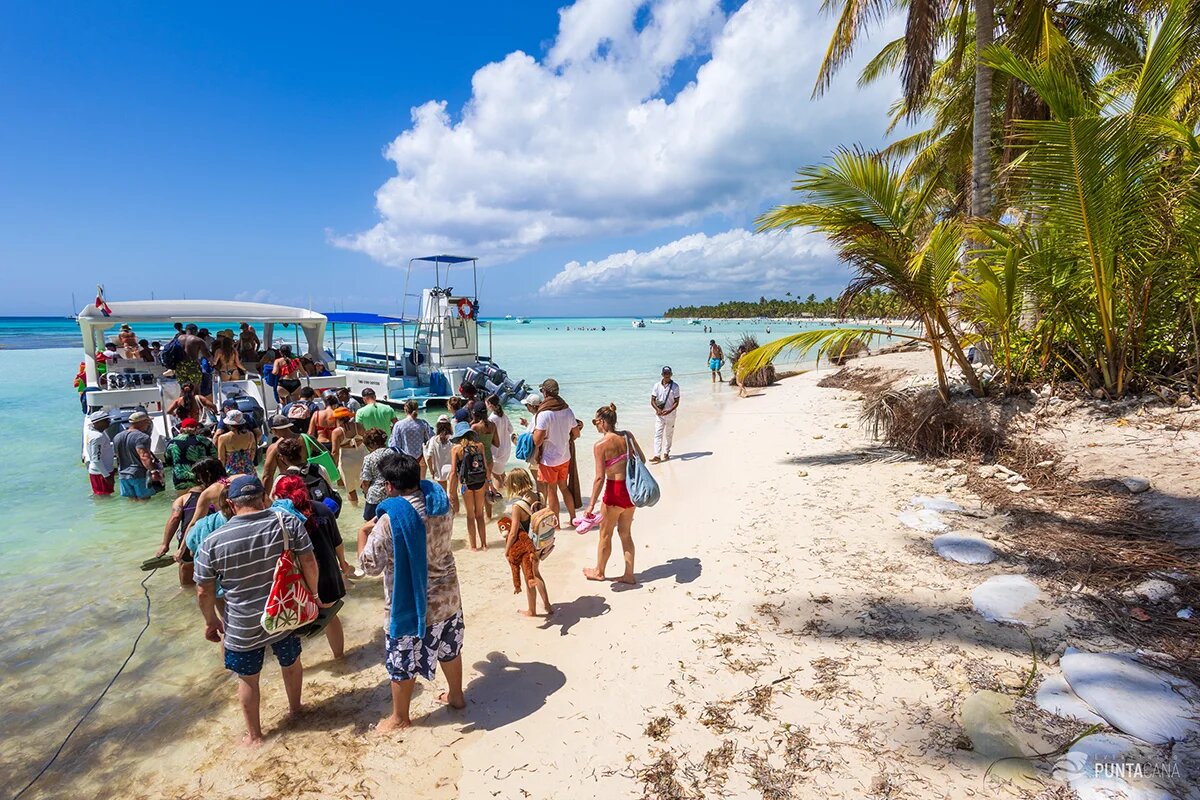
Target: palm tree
(883, 225)
(1112, 178)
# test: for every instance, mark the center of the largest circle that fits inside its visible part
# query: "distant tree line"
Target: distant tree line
(867, 305)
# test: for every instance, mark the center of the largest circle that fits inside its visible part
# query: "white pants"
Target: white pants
(664, 433)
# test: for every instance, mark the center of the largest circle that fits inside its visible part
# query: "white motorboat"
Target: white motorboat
(523, 320)
(660, 322)
(426, 357)
(693, 322)
(639, 323)
(149, 386)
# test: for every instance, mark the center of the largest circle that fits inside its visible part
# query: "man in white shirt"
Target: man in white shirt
(101, 459)
(554, 428)
(664, 399)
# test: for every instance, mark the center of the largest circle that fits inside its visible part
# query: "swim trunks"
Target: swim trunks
(409, 656)
(714, 364)
(250, 662)
(136, 487)
(559, 474)
(103, 484)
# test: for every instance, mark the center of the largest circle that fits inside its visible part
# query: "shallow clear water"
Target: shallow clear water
(69, 562)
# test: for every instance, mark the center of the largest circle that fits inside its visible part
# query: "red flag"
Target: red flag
(101, 304)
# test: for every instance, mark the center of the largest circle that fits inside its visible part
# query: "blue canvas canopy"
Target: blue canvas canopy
(363, 318)
(446, 259)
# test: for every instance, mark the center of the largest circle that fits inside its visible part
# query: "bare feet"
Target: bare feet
(250, 740)
(389, 724)
(627, 579)
(458, 701)
(594, 574)
(525, 612)
(549, 610)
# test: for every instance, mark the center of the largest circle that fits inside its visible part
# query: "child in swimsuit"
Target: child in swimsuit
(518, 547)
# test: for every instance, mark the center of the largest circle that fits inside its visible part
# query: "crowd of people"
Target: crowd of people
(242, 501)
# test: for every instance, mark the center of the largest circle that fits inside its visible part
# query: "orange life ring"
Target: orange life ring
(465, 309)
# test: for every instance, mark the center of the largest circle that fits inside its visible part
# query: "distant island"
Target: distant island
(867, 305)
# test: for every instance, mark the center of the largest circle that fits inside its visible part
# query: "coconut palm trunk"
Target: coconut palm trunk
(981, 133)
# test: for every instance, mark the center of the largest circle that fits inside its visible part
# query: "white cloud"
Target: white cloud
(725, 266)
(588, 141)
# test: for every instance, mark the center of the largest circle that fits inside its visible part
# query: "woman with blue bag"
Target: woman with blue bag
(626, 484)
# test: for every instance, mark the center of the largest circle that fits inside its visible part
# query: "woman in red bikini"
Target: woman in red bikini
(612, 451)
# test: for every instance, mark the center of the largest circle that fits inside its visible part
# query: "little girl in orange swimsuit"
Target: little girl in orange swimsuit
(518, 547)
(611, 453)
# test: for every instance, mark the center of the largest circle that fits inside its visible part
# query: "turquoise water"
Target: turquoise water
(69, 562)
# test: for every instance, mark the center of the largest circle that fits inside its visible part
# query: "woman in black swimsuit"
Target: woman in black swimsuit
(288, 370)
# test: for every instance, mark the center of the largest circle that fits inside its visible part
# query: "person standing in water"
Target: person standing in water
(716, 360)
(612, 452)
(664, 399)
(101, 459)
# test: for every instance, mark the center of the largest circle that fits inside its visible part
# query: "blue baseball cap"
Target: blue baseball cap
(245, 486)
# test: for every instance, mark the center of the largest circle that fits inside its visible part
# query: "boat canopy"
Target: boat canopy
(362, 318)
(195, 311)
(93, 322)
(446, 259)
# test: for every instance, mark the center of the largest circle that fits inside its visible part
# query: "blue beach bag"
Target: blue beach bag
(643, 489)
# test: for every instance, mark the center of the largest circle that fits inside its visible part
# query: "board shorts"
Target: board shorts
(136, 487)
(250, 662)
(410, 656)
(616, 494)
(714, 364)
(559, 474)
(103, 484)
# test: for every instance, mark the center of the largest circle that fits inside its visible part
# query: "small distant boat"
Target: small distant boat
(522, 320)
(693, 322)
(660, 322)
(639, 323)
(508, 316)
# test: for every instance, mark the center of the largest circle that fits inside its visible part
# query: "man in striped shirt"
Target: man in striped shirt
(242, 555)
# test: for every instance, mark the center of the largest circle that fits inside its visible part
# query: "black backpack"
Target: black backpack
(472, 467)
(172, 354)
(319, 488)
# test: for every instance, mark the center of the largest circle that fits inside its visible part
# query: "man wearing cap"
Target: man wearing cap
(554, 428)
(664, 399)
(185, 451)
(373, 415)
(281, 429)
(135, 458)
(100, 455)
(347, 400)
(242, 555)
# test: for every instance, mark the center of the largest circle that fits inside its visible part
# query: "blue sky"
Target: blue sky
(607, 158)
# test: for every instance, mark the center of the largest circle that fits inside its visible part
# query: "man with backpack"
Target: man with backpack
(300, 411)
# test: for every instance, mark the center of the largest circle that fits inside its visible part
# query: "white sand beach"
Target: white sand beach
(789, 634)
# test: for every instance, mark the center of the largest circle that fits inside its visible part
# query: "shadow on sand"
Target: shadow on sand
(567, 615)
(507, 691)
(683, 570)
